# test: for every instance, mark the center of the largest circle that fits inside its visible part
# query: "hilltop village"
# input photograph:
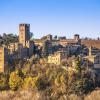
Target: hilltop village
(55, 49)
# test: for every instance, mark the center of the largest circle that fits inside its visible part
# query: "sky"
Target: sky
(56, 17)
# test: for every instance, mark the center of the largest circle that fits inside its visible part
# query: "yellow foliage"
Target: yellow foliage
(15, 81)
(30, 82)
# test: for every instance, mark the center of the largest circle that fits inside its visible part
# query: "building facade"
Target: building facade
(3, 59)
(27, 47)
(57, 57)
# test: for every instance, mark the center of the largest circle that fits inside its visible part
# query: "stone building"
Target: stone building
(57, 57)
(3, 59)
(47, 48)
(30, 47)
(23, 49)
(13, 47)
(94, 58)
(27, 48)
(93, 50)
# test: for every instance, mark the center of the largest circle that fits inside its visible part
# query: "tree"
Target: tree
(15, 81)
(30, 82)
(42, 83)
(79, 81)
(82, 86)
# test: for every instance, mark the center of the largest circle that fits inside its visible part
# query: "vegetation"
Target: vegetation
(15, 81)
(4, 82)
(42, 81)
(6, 39)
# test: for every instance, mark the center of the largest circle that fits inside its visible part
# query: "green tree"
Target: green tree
(82, 86)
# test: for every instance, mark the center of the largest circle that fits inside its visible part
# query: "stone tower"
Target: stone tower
(24, 33)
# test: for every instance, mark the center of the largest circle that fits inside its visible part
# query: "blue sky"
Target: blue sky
(58, 17)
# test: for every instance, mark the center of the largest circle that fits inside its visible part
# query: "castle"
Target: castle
(55, 49)
(21, 50)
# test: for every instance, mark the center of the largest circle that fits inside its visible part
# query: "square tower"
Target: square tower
(24, 33)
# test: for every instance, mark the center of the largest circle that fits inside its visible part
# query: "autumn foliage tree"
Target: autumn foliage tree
(15, 81)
